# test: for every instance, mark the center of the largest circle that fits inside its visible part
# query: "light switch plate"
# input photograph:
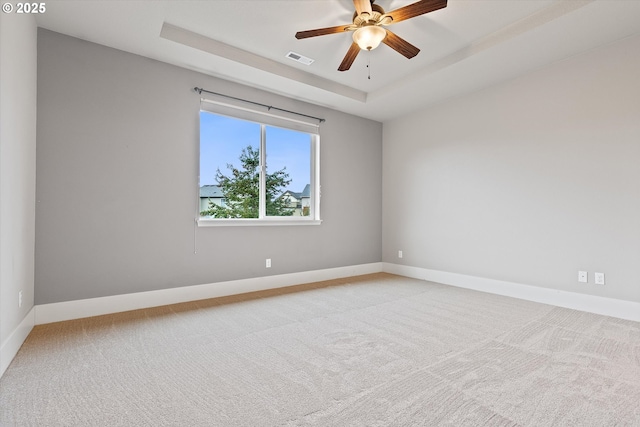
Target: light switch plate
(583, 277)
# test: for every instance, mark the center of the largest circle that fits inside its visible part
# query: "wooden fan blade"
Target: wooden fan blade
(349, 57)
(321, 32)
(400, 45)
(362, 6)
(416, 9)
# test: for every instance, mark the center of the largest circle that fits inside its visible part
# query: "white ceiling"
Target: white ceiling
(469, 45)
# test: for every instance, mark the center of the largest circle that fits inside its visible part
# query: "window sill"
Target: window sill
(255, 222)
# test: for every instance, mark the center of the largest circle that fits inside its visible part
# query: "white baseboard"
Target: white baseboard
(12, 344)
(56, 312)
(590, 303)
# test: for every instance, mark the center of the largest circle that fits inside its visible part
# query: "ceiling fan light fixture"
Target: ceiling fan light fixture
(369, 37)
(368, 33)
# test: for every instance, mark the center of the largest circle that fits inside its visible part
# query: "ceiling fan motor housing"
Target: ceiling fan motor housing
(364, 18)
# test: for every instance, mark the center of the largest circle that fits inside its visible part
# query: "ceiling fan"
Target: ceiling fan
(368, 32)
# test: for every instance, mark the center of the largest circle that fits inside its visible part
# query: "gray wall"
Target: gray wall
(116, 130)
(17, 171)
(527, 182)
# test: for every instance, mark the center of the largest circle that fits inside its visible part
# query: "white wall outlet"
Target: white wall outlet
(268, 263)
(599, 278)
(399, 254)
(19, 299)
(582, 277)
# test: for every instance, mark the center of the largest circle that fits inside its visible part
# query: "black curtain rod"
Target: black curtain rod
(270, 107)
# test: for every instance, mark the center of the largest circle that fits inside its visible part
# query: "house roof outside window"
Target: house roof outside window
(211, 191)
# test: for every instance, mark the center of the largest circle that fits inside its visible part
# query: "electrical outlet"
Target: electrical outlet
(268, 263)
(582, 277)
(399, 254)
(19, 299)
(599, 278)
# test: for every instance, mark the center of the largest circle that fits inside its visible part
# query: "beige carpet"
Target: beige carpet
(377, 350)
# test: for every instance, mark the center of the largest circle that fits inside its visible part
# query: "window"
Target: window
(256, 168)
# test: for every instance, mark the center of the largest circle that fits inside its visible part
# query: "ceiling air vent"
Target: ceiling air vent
(299, 58)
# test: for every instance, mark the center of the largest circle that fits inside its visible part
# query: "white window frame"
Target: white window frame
(268, 119)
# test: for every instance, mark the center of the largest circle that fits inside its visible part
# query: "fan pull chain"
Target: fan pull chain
(369, 65)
